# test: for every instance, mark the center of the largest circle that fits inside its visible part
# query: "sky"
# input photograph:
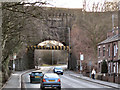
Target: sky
(73, 3)
(66, 3)
(69, 3)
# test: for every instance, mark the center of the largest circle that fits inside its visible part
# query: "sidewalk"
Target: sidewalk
(80, 76)
(14, 80)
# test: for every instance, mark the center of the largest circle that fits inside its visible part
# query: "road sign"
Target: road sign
(14, 57)
(13, 66)
(81, 57)
(81, 68)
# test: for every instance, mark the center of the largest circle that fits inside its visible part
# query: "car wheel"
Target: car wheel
(61, 73)
(59, 88)
(30, 81)
(42, 88)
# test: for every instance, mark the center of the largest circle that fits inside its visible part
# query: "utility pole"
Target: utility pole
(81, 58)
(80, 62)
(14, 57)
(90, 63)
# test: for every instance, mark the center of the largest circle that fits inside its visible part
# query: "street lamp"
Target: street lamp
(81, 59)
(39, 62)
(90, 64)
(14, 57)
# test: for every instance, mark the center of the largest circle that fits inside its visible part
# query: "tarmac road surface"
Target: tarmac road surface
(67, 81)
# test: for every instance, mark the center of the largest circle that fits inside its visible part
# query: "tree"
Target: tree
(104, 68)
(90, 28)
(14, 15)
(99, 6)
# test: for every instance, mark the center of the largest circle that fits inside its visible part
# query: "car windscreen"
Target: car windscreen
(58, 68)
(51, 76)
(37, 74)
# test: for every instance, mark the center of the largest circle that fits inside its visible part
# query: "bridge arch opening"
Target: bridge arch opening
(53, 53)
(49, 43)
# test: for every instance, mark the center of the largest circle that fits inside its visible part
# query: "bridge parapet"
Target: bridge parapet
(48, 48)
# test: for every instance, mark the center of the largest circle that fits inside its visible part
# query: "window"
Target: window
(109, 50)
(117, 67)
(114, 50)
(109, 68)
(99, 51)
(114, 65)
(103, 51)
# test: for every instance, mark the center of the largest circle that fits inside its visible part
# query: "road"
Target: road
(66, 81)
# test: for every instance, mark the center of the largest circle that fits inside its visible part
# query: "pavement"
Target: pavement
(15, 80)
(110, 84)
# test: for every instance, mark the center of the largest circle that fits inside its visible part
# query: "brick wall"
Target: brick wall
(107, 57)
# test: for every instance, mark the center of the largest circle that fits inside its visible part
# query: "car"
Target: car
(35, 76)
(58, 70)
(51, 80)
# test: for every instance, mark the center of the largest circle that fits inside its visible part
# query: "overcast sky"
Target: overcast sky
(72, 3)
(69, 3)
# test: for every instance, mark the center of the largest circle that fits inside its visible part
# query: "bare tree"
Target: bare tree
(100, 6)
(14, 15)
(90, 28)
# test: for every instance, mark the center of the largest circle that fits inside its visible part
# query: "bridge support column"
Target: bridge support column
(30, 59)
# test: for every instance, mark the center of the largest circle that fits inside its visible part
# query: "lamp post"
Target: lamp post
(80, 63)
(90, 63)
(39, 62)
(81, 59)
(14, 57)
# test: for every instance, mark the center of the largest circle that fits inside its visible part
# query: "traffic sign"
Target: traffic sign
(13, 66)
(14, 57)
(81, 57)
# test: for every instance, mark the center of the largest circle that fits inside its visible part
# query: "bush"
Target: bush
(104, 68)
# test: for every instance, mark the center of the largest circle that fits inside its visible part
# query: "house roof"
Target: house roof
(110, 39)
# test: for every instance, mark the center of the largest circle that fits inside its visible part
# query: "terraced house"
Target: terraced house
(109, 50)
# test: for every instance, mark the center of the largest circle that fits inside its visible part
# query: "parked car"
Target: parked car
(35, 76)
(51, 80)
(58, 70)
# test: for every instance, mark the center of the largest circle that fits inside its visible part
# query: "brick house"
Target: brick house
(109, 50)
